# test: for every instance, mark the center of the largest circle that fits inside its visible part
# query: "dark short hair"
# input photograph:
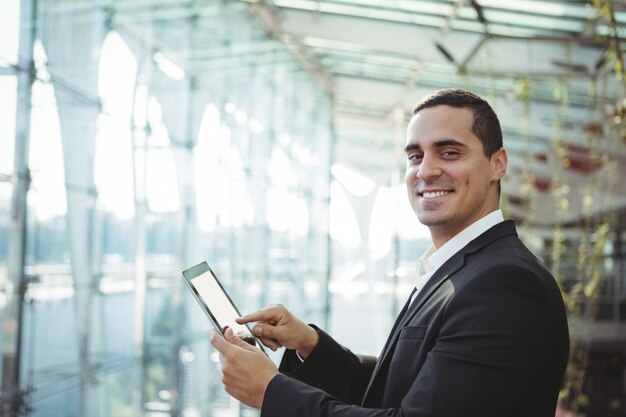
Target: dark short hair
(486, 124)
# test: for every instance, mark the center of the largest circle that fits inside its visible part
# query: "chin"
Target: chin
(432, 220)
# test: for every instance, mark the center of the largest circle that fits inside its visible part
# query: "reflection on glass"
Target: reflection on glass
(116, 82)
(161, 175)
(8, 97)
(9, 32)
(343, 224)
(47, 191)
(206, 168)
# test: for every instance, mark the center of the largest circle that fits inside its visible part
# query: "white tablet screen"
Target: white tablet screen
(218, 303)
(213, 299)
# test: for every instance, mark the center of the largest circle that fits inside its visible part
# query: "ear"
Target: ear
(499, 161)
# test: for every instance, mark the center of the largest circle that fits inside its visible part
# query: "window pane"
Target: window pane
(9, 32)
(8, 91)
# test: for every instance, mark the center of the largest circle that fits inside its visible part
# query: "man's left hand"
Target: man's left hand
(246, 370)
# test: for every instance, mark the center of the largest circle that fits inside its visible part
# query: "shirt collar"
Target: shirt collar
(433, 258)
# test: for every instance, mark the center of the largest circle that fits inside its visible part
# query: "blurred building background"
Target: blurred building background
(140, 137)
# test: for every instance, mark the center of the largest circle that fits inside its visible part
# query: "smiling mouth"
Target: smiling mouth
(434, 194)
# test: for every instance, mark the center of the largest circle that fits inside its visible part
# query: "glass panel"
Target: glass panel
(6, 190)
(8, 97)
(206, 168)
(118, 356)
(49, 362)
(9, 32)
(116, 84)
(8, 86)
(47, 204)
(161, 181)
(265, 231)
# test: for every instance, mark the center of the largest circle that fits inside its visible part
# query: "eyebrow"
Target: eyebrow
(439, 144)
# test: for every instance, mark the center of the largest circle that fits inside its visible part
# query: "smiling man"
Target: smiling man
(484, 333)
(452, 176)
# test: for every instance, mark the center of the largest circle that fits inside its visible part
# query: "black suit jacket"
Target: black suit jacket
(487, 337)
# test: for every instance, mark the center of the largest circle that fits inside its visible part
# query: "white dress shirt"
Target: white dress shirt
(433, 258)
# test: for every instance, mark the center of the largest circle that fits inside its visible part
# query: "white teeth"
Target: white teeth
(435, 194)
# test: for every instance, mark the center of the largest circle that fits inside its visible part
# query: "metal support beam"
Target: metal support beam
(269, 21)
(140, 155)
(12, 393)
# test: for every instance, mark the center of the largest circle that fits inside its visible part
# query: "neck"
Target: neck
(440, 235)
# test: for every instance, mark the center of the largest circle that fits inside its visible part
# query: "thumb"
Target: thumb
(219, 343)
(229, 335)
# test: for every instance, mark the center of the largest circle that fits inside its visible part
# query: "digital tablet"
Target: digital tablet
(215, 302)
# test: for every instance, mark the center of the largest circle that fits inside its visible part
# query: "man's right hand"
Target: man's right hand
(277, 327)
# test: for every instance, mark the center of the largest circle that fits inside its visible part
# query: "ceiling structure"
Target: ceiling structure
(539, 63)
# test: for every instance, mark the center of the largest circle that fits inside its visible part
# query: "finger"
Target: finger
(268, 335)
(272, 344)
(271, 313)
(266, 331)
(219, 343)
(229, 335)
(261, 315)
(246, 319)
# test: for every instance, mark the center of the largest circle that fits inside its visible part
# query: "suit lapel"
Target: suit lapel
(442, 274)
(450, 267)
(405, 315)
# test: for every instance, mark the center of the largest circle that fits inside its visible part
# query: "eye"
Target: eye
(450, 154)
(415, 158)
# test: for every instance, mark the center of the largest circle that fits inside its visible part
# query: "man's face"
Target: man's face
(450, 181)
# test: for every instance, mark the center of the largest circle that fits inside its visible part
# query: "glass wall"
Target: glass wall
(134, 146)
(144, 159)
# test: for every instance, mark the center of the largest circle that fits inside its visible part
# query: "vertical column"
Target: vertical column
(74, 76)
(329, 242)
(260, 214)
(12, 395)
(181, 117)
(399, 126)
(139, 177)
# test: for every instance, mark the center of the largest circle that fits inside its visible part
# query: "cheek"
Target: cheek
(477, 185)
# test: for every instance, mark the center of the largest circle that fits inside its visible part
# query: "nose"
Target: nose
(429, 168)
